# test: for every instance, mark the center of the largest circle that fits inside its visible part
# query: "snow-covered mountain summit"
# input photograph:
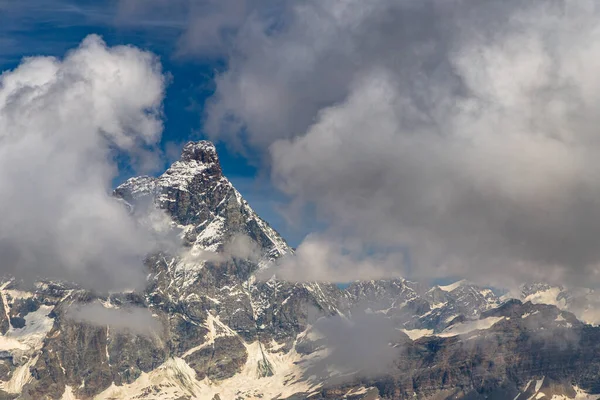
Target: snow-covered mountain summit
(204, 203)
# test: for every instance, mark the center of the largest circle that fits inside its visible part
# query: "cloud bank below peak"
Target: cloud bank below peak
(61, 121)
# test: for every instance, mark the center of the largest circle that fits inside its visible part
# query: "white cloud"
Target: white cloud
(61, 123)
(362, 346)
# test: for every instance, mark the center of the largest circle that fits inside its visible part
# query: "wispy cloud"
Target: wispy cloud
(129, 319)
(50, 27)
(464, 130)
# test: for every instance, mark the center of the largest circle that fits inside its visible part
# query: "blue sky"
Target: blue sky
(40, 27)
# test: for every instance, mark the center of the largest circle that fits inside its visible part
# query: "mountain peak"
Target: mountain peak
(203, 151)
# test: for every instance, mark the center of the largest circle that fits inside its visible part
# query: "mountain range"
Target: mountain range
(219, 330)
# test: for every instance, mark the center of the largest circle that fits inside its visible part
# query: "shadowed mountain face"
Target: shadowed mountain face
(206, 328)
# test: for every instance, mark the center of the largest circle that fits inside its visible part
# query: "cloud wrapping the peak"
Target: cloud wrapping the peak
(61, 123)
(463, 130)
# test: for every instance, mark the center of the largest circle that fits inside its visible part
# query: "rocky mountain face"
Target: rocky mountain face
(221, 333)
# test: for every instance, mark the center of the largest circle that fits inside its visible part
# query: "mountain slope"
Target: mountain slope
(222, 334)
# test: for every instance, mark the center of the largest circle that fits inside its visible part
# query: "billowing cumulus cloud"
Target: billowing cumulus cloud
(62, 122)
(462, 131)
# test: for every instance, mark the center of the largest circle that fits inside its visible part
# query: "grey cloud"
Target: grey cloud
(136, 320)
(465, 131)
(323, 258)
(364, 345)
(61, 121)
(206, 28)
